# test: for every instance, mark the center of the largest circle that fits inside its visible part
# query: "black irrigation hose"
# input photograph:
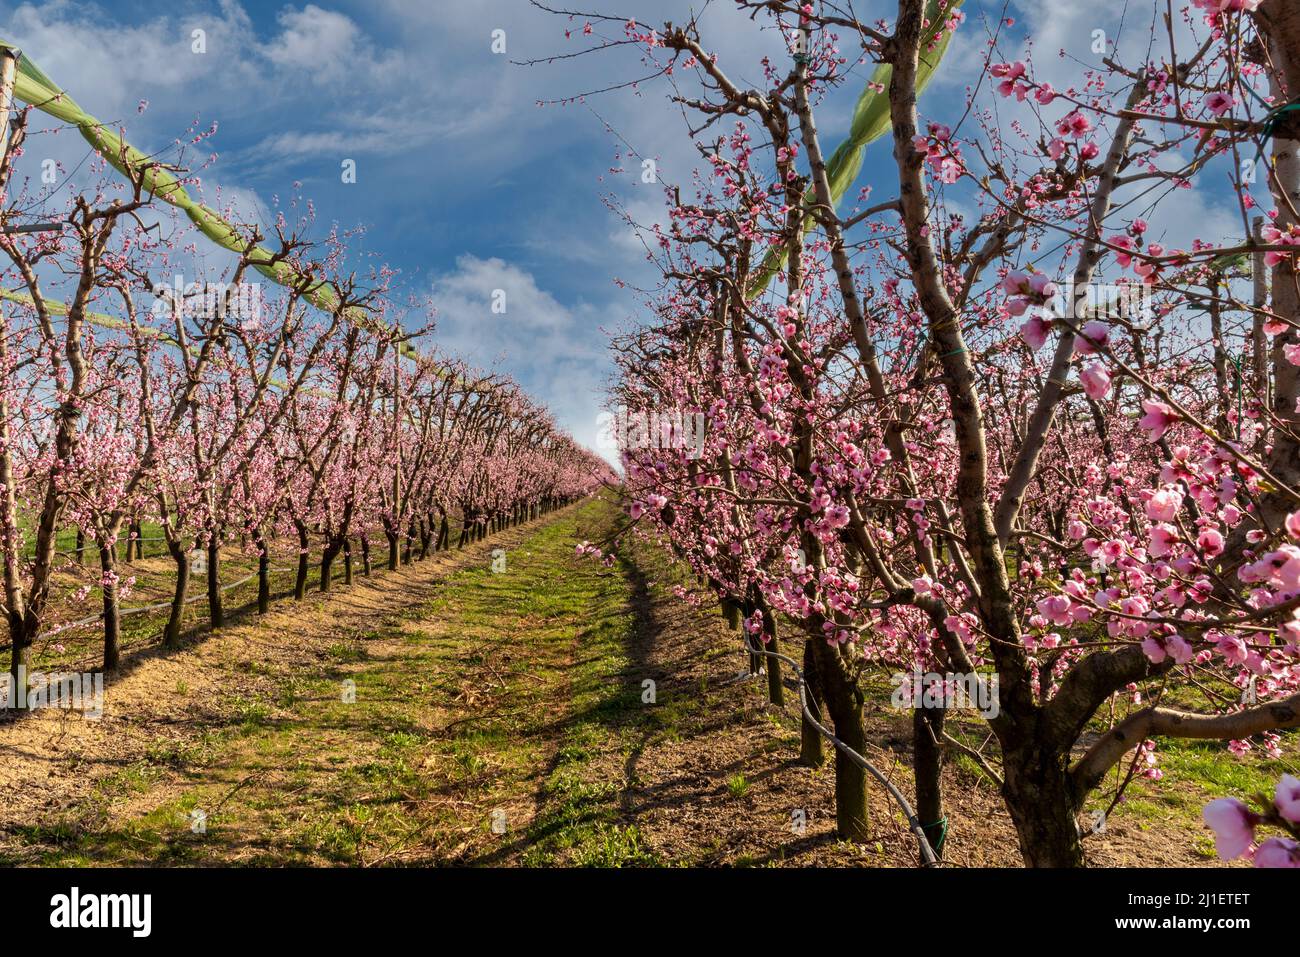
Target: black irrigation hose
(928, 857)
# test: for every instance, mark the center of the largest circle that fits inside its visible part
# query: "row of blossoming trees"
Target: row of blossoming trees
(230, 413)
(926, 452)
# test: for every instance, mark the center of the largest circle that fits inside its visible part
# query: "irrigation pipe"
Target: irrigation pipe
(928, 857)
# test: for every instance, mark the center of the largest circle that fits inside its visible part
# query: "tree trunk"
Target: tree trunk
(1038, 795)
(112, 623)
(927, 766)
(216, 610)
(172, 633)
(1279, 22)
(365, 555)
(263, 580)
(408, 543)
(327, 564)
(812, 746)
(426, 534)
(347, 561)
(304, 555)
(775, 691)
(843, 701)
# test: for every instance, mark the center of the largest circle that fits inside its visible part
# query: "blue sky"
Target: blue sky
(464, 183)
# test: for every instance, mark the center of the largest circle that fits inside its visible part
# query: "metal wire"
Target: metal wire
(123, 612)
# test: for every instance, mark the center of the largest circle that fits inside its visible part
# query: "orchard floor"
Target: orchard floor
(499, 719)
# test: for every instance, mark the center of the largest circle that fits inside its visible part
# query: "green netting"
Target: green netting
(33, 87)
(870, 122)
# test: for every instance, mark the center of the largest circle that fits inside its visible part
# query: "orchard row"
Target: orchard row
(920, 464)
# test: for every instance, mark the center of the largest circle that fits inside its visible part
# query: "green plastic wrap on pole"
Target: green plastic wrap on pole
(33, 87)
(870, 122)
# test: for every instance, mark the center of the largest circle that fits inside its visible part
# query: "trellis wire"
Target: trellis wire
(122, 613)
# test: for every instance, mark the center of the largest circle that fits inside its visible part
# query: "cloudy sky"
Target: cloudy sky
(463, 183)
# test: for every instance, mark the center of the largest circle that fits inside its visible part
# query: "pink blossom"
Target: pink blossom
(1180, 649)
(1277, 852)
(1233, 824)
(1074, 124)
(1125, 243)
(1163, 538)
(1009, 73)
(1057, 609)
(1233, 649)
(1164, 504)
(1223, 6)
(1159, 417)
(1286, 798)
(1095, 335)
(1154, 649)
(1034, 330)
(1096, 381)
(1219, 103)
(1041, 285)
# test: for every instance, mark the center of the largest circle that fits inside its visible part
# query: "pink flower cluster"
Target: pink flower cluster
(941, 153)
(1026, 291)
(1234, 826)
(1276, 237)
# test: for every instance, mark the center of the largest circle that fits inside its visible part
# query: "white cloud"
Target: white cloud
(555, 352)
(315, 41)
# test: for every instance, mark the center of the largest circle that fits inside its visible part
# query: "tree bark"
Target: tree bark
(263, 582)
(112, 622)
(843, 701)
(327, 564)
(216, 609)
(812, 746)
(1038, 795)
(927, 766)
(172, 633)
(304, 556)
